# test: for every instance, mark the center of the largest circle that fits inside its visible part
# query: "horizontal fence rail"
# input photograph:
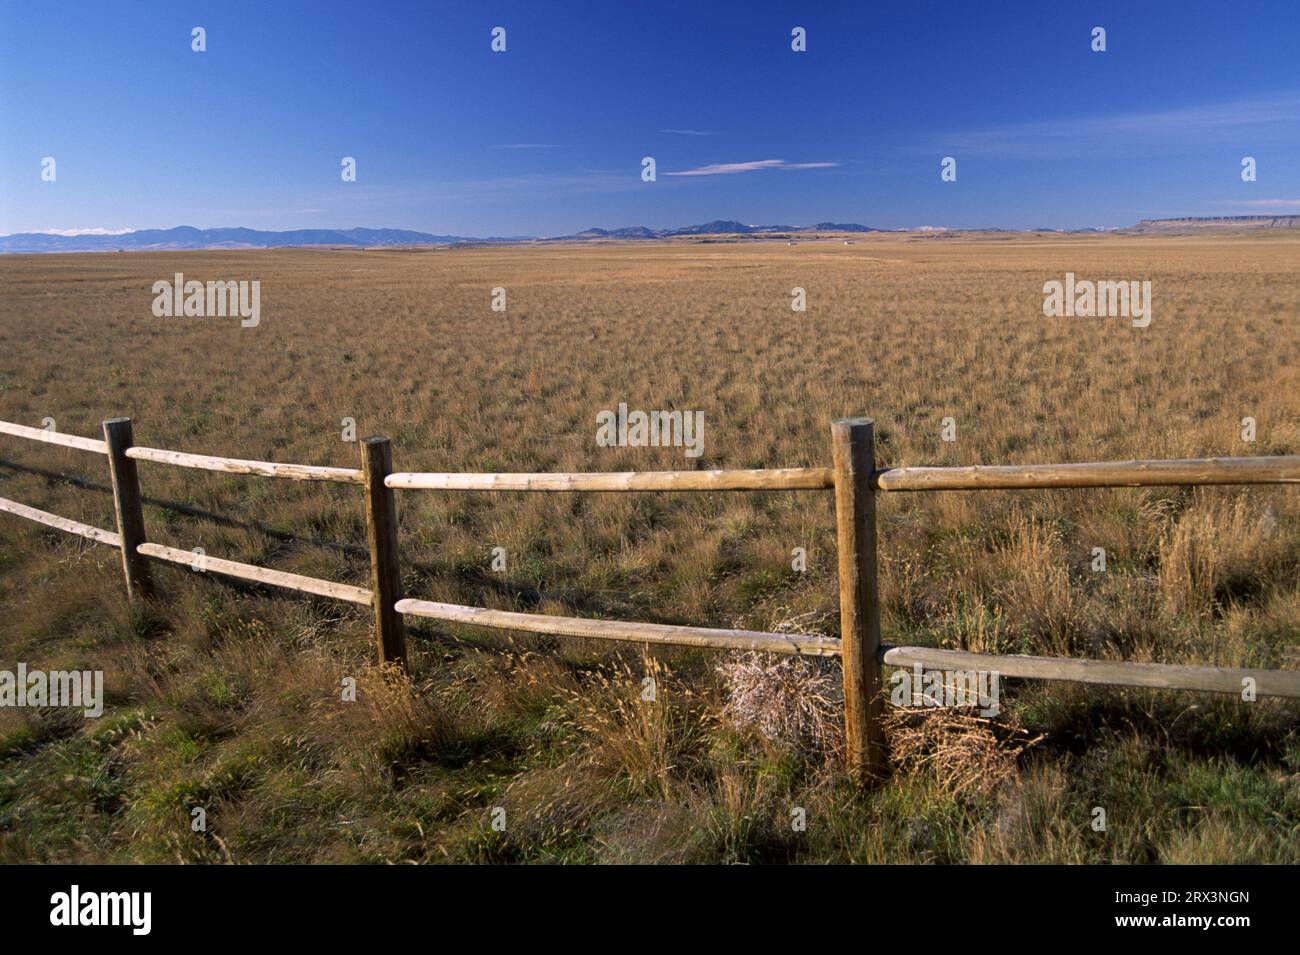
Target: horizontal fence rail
(854, 478)
(1165, 676)
(261, 575)
(204, 462)
(793, 643)
(53, 437)
(1261, 470)
(62, 523)
(776, 479)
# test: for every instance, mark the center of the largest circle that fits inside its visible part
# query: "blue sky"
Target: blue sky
(547, 137)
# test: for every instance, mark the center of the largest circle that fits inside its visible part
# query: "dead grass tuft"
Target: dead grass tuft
(969, 755)
(794, 702)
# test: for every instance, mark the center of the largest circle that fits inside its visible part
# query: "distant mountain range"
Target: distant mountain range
(718, 227)
(188, 237)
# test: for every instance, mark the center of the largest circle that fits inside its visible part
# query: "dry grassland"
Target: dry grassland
(227, 697)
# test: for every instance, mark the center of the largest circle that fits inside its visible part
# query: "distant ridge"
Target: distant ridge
(717, 227)
(1218, 222)
(188, 237)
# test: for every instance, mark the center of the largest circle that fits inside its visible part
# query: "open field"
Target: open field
(227, 697)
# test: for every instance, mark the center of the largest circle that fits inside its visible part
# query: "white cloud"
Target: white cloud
(1265, 203)
(96, 231)
(732, 168)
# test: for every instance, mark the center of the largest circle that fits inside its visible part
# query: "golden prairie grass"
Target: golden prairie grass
(227, 693)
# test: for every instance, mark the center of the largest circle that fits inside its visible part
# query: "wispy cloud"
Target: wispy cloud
(1264, 203)
(526, 146)
(688, 132)
(732, 168)
(95, 231)
(1246, 121)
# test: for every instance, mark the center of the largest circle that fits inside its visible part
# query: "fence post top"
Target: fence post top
(853, 422)
(118, 431)
(375, 439)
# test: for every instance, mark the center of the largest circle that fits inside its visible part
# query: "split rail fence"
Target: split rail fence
(853, 477)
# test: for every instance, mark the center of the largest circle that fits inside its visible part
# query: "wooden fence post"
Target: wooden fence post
(853, 448)
(381, 531)
(127, 505)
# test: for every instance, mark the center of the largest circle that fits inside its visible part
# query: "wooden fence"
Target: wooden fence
(853, 477)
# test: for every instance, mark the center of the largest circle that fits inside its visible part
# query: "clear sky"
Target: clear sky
(547, 137)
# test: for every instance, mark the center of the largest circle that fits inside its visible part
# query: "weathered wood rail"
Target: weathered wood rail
(294, 472)
(258, 575)
(1261, 470)
(853, 477)
(779, 479)
(794, 643)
